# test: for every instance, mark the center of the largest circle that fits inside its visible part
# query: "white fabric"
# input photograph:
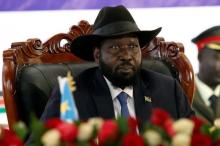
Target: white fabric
(115, 91)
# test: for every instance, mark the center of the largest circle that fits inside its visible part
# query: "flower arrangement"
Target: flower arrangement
(161, 130)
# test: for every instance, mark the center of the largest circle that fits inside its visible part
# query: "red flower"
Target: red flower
(53, 123)
(201, 140)
(93, 143)
(168, 127)
(197, 124)
(159, 116)
(9, 139)
(108, 132)
(132, 139)
(132, 124)
(68, 131)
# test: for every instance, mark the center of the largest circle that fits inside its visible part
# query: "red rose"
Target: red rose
(68, 131)
(108, 132)
(159, 116)
(93, 143)
(9, 139)
(197, 124)
(168, 127)
(53, 123)
(132, 139)
(132, 124)
(201, 140)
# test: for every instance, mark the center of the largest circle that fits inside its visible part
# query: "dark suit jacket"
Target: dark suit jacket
(93, 97)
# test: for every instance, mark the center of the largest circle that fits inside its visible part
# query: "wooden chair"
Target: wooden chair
(56, 53)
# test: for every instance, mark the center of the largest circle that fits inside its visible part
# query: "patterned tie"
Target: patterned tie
(122, 98)
(213, 102)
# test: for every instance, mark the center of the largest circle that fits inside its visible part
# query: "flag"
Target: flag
(2, 105)
(3, 116)
(68, 109)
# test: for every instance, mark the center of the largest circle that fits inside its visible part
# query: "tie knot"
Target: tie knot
(213, 98)
(122, 97)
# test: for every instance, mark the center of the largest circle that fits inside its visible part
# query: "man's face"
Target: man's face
(209, 71)
(120, 60)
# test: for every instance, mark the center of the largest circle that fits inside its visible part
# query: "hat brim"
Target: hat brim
(83, 46)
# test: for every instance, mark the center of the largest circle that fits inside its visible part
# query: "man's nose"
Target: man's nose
(126, 54)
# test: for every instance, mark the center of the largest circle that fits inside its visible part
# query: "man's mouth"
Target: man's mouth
(125, 68)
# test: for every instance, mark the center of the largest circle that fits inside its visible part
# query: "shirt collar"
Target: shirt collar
(114, 91)
(205, 91)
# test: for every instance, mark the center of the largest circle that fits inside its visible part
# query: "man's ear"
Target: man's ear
(201, 56)
(96, 55)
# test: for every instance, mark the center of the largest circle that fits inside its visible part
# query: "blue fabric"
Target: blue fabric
(122, 98)
(68, 109)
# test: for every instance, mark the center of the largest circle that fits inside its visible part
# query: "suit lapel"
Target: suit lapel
(104, 103)
(102, 97)
(142, 107)
(218, 108)
(201, 108)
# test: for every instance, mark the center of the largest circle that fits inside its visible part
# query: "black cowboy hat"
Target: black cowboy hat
(110, 22)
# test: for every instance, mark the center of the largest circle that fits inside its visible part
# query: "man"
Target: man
(206, 101)
(119, 87)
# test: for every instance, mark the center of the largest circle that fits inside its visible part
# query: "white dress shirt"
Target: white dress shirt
(205, 91)
(115, 91)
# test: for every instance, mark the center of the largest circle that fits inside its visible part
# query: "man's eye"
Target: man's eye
(115, 47)
(133, 46)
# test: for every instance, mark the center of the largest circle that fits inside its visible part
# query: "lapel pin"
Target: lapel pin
(147, 99)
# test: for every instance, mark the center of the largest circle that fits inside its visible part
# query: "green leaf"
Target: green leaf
(37, 129)
(82, 143)
(216, 134)
(21, 130)
(205, 129)
(123, 125)
(34, 144)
